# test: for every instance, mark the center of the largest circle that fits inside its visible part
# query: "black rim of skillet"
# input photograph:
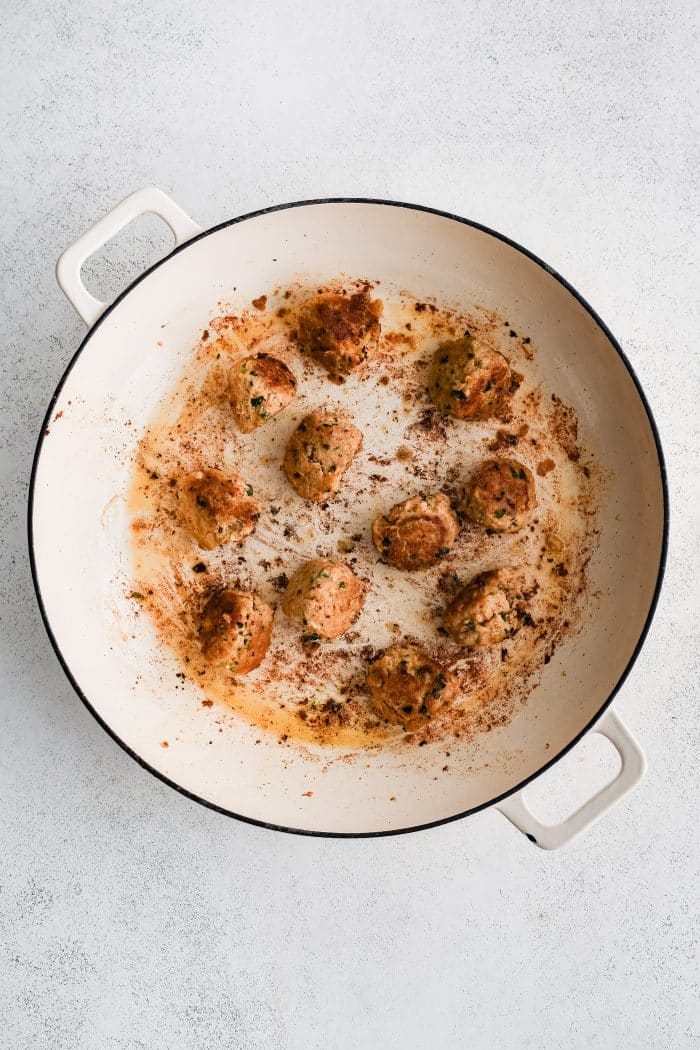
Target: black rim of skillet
(662, 558)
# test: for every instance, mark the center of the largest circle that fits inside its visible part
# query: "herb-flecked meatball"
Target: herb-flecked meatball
(409, 687)
(325, 597)
(236, 629)
(500, 495)
(217, 508)
(469, 380)
(259, 387)
(319, 452)
(339, 331)
(487, 611)
(417, 533)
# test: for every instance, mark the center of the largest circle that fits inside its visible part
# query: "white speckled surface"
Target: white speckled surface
(133, 918)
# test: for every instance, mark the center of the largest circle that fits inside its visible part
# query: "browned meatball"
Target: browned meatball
(319, 452)
(236, 629)
(217, 507)
(325, 597)
(339, 331)
(500, 495)
(417, 533)
(259, 388)
(469, 380)
(409, 687)
(488, 610)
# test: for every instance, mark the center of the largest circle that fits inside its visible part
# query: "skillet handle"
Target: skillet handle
(553, 836)
(68, 267)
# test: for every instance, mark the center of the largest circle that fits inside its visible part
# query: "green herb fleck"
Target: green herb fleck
(249, 490)
(437, 689)
(257, 401)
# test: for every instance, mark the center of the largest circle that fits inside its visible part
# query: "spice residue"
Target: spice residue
(317, 693)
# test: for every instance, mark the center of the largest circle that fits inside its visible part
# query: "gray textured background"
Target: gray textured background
(131, 917)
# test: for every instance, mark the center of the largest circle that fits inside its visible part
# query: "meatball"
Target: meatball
(339, 331)
(319, 452)
(259, 387)
(236, 629)
(415, 534)
(325, 597)
(217, 507)
(469, 380)
(487, 611)
(500, 495)
(407, 686)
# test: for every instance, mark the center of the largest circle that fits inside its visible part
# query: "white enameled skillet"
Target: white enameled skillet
(78, 521)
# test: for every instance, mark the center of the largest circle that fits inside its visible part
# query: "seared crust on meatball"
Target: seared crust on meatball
(236, 629)
(500, 495)
(319, 452)
(408, 687)
(417, 533)
(339, 331)
(259, 387)
(325, 597)
(217, 508)
(488, 610)
(469, 380)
